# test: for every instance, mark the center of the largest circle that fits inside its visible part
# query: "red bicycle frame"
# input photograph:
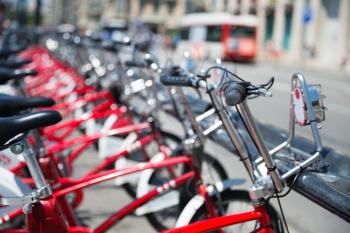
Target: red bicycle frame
(259, 214)
(84, 141)
(70, 186)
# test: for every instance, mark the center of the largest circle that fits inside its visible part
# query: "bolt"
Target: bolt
(17, 148)
(27, 208)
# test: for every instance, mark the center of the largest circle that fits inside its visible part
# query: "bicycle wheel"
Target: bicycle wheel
(164, 219)
(238, 201)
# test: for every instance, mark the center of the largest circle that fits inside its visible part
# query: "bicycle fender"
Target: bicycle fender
(145, 176)
(197, 201)
(166, 200)
(189, 211)
(10, 186)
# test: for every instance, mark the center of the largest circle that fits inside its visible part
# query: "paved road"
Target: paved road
(302, 215)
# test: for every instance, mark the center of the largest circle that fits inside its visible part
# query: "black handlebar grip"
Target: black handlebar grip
(134, 64)
(186, 81)
(235, 93)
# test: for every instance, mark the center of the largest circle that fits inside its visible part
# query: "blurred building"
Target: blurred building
(59, 12)
(312, 32)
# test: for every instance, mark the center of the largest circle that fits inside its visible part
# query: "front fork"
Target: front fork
(264, 220)
(261, 207)
(209, 204)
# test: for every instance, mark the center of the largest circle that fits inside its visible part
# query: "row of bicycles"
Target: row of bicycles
(148, 122)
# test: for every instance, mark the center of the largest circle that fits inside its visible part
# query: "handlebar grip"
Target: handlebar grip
(134, 64)
(186, 81)
(235, 93)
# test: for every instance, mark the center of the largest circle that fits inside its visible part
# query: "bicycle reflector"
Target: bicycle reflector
(300, 105)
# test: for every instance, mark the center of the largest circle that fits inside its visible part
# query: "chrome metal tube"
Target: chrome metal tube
(38, 143)
(272, 152)
(301, 166)
(312, 117)
(291, 115)
(234, 136)
(34, 168)
(192, 119)
(212, 128)
(205, 115)
(259, 142)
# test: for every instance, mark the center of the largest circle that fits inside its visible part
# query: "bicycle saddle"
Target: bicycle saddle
(12, 105)
(12, 127)
(6, 52)
(14, 63)
(7, 74)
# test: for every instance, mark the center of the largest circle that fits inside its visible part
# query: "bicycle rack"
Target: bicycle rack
(306, 108)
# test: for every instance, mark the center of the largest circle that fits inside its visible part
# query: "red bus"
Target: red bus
(219, 35)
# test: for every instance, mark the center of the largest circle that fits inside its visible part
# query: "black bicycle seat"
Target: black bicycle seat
(12, 105)
(14, 63)
(12, 127)
(6, 52)
(7, 74)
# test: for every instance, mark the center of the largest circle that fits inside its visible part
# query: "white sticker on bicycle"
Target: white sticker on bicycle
(299, 107)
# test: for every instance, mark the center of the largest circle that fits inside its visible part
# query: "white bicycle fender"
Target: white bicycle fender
(109, 145)
(168, 199)
(189, 211)
(126, 179)
(8, 159)
(10, 186)
(197, 201)
(143, 184)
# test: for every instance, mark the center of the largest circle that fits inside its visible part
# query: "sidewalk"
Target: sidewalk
(321, 71)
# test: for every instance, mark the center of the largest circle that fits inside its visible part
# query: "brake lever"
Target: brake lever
(269, 84)
(262, 89)
(260, 92)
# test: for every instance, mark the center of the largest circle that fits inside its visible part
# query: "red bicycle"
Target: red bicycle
(268, 183)
(68, 186)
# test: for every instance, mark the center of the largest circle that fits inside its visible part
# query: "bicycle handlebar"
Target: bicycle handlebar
(184, 80)
(171, 80)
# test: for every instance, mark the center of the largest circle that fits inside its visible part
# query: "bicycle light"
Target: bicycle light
(316, 98)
